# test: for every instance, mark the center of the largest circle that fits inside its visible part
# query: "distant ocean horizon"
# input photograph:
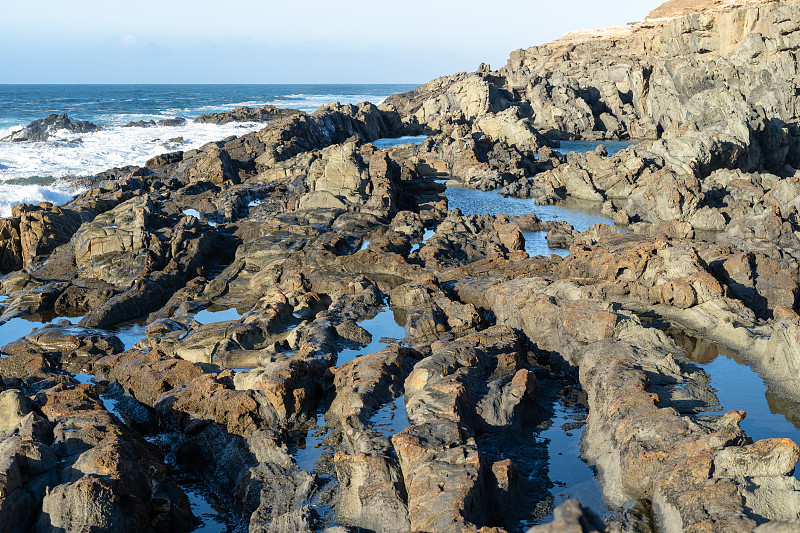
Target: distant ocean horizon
(34, 171)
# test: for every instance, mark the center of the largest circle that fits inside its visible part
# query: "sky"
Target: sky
(292, 41)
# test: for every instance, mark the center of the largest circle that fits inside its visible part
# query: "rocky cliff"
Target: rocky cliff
(646, 80)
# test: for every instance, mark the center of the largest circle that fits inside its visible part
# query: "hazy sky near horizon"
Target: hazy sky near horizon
(304, 41)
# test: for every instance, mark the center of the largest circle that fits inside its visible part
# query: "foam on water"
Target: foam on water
(89, 153)
(85, 154)
(32, 172)
(10, 194)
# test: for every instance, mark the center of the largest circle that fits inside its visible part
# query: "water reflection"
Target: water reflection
(581, 147)
(581, 214)
(391, 418)
(391, 143)
(385, 329)
(739, 387)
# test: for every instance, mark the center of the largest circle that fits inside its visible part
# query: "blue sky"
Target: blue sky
(312, 41)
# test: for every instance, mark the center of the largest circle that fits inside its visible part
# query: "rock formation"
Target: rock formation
(323, 345)
(45, 128)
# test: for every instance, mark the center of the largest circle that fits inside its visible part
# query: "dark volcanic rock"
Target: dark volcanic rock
(44, 128)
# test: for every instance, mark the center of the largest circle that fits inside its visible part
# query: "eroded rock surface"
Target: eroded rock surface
(324, 344)
(45, 128)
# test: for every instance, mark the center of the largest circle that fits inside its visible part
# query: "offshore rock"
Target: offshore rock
(170, 122)
(45, 128)
(246, 114)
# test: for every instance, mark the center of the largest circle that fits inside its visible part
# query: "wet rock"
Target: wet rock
(246, 114)
(462, 239)
(45, 128)
(371, 493)
(477, 159)
(760, 282)
(444, 478)
(71, 348)
(210, 163)
(169, 122)
(82, 296)
(445, 474)
(362, 385)
(144, 253)
(33, 232)
(148, 376)
(638, 409)
(81, 468)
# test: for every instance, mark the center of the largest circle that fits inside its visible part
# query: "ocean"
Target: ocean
(34, 171)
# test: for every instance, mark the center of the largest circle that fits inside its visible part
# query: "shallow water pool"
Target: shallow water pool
(391, 418)
(738, 387)
(385, 330)
(398, 141)
(582, 215)
(581, 147)
(209, 315)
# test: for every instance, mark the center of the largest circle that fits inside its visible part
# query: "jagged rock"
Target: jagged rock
(246, 114)
(170, 122)
(33, 232)
(45, 128)
(81, 468)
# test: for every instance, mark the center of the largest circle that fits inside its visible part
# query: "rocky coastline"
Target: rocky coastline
(292, 289)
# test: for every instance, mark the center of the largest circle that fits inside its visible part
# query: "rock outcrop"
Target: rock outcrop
(246, 114)
(295, 321)
(45, 128)
(170, 122)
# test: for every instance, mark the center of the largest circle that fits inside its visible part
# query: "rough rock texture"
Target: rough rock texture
(171, 122)
(317, 339)
(72, 466)
(45, 128)
(246, 114)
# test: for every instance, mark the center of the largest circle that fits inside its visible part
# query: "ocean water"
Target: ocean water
(581, 147)
(34, 171)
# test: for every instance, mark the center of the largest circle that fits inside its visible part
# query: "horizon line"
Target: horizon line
(216, 83)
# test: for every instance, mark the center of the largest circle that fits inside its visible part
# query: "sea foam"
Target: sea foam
(32, 194)
(31, 171)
